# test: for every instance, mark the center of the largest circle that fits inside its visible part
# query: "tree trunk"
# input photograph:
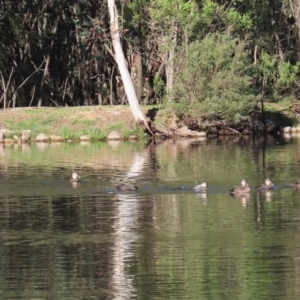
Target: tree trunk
(139, 65)
(170, 63)
(295, 7)
(120, 59)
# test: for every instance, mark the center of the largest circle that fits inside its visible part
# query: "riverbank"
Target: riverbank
(71, 123)
(98, 122)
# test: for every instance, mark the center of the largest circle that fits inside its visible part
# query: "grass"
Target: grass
(72, 122)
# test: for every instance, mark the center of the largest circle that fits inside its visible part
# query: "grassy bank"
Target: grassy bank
(72, 122)
(99, 121)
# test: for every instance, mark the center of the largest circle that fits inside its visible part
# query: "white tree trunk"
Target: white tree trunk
(120, 59)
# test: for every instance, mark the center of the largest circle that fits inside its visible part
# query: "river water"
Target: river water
(60, 240)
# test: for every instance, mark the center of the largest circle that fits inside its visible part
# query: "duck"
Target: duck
(296, 184)
(268, 185)
(241, 189)
(75, 177)
(127, 187)
(202, 187)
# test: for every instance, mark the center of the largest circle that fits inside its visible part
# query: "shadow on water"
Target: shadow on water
(165, 241)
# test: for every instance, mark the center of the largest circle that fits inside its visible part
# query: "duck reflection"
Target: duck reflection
(244, 197)
(267, 194)
(202, 196)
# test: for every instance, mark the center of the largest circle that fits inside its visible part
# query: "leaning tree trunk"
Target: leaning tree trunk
(136, 110)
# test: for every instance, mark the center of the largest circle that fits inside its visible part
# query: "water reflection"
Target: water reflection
(126, 233)
(89, 241)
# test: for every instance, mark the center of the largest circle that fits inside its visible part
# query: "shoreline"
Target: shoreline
(101, 123)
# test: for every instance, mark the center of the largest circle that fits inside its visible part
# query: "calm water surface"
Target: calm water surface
(60, 240)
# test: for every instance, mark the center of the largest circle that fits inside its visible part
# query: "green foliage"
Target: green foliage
(267, 65)
(278, 75)
(287, 72)
(223, 18)
(209, 11)
(166, 12)
(238, 20)
(158, 86)
(214, 80)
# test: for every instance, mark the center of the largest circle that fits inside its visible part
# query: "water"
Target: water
(60, 240)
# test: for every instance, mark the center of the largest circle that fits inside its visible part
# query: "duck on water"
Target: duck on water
(243, 188)
(127, 187)
(201, 188)
(75, 177)
(267, 186)
(295, 185)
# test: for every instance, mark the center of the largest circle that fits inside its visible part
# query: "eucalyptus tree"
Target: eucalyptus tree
(136, 110)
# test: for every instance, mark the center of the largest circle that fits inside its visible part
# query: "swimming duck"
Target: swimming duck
(296, 184)
(243, 188)
(201, 188)
(268, 185)
(75, 177)
(127, 187)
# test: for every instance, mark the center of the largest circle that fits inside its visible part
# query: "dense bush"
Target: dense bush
(214, 80)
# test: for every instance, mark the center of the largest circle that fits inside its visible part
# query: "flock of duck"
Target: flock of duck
(237, 191)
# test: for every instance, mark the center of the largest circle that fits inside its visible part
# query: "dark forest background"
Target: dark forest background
(214, 59)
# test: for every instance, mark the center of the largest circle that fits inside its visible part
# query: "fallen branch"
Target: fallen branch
(234, 130)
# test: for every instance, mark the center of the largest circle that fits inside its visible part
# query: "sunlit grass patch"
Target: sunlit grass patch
(136, 130)
(72, 122)
(68, 133)
(83, 122)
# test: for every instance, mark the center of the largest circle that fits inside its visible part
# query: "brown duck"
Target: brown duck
(243, 188)
(127, 187)
(268, 185)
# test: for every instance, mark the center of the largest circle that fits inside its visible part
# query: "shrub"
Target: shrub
(213, 80)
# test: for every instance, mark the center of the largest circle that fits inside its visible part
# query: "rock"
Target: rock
(298, 128)
(84, 138)
(42, 138)
(185, 132)
(1, 137)
(8, 141)
(287, 129)
(25, 136)
(114, 135)
(55, 138)
(5, 132)
(133, 137)
(15, 137)
(201, 134)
